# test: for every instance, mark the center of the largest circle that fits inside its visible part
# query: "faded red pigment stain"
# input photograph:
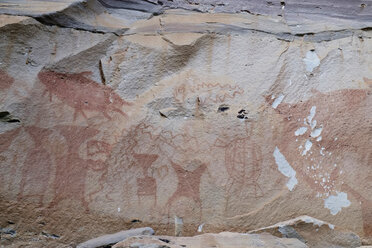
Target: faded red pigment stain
(36, 170)
(6, 139)
(146, 186)
(81, 93)
(366, 205)
(71, 171)
(344, 116)
(346, 119)
(5, 80)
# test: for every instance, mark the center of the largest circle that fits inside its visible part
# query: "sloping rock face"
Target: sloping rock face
(223, 240)
(117, 114)
(313, 232)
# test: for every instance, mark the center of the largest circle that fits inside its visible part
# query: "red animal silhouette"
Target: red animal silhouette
(72, 170)
(146, 186)
(188, 183)
(5, 80)
(37, 167)
(82, 93)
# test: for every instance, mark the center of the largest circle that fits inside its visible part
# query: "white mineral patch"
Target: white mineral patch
(319, 223)
(285, 168)
(311, 61)
(308, 145)
(321, 151)
(313, 124)
(335, 202)
(316, 132)
(319, 138)
(300, 131)
(277, 101)
(200, 228)
(312, 114)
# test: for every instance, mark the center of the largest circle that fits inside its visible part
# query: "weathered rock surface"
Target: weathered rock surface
(313, 232)
(221, 240)
(121, 114)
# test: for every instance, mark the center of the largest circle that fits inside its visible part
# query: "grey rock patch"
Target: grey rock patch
(115, 238)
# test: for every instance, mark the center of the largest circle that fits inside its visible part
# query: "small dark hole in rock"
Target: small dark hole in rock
(223, 108)
(241, 111)
(282, 3)
(136, 221)
(165, 240)
(4, 114)
(13, 120)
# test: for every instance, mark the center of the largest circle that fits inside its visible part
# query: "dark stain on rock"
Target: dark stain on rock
(242, 114)
(223, 108)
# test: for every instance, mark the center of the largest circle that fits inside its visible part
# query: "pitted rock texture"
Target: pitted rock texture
(122, 114)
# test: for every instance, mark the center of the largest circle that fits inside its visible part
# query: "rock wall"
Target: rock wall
(233, 115)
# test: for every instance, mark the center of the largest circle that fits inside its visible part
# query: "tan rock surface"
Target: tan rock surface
(116, 115)
(222, 240)
(313, 232)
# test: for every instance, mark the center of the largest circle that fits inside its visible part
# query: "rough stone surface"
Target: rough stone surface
(123, 114)
(110, 239)
(313, 232)
(221, 240)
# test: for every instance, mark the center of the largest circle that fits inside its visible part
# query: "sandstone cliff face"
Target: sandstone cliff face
(236, 116)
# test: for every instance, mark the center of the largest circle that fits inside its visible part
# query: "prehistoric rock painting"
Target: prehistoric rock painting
(188, 183)
(5, 80)
(82, 93)
(146, 186)
(244, 163)
(71, 171)
(207, 92)
(147, 157)
(37, 167)
(318, 134)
